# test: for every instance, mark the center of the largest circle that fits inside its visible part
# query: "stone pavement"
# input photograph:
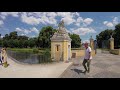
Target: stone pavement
(103, 65)
(17, 70)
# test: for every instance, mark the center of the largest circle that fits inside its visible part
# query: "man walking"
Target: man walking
(87, 58)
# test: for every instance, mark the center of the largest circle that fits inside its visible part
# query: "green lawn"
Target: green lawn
(30, 50)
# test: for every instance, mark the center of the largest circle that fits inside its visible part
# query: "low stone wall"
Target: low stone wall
(80, 53)
(115, 51)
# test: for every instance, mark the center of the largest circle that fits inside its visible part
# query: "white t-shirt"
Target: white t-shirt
(87, 53)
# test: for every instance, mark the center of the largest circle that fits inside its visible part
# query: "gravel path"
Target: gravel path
(103, 65)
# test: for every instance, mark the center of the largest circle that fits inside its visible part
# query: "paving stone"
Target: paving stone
(102, 66)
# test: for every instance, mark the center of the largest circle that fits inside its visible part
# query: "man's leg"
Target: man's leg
(88, 65)
(84, 62)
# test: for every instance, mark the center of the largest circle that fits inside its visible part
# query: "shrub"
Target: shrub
(35, 50)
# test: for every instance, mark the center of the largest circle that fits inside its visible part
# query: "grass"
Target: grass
(21, 49)
(29, 50)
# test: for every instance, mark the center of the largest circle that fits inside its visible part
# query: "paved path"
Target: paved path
(16, 70)
(103, 65)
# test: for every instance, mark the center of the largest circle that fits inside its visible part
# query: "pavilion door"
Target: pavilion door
(57, 52)
(68, 52)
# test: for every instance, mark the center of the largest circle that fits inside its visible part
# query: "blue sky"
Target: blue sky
(84, 24)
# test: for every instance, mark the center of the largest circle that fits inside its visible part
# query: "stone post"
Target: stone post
(91, 43)
(111, 43)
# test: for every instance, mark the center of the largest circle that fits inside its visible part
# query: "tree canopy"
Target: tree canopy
(76, 41)
(42, 41)
(105, 35)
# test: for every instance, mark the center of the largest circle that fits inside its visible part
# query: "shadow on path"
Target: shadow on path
(77, 71)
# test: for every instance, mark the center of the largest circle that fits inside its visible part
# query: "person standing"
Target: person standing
(87, 58)
(1, 56)
(4, 55)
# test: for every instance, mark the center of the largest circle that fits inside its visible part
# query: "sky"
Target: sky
(85, 24)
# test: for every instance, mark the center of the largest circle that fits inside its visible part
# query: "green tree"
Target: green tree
(5, 43)
(44, 36)
(22, 38)
(31, 43)
(0, 42)
(11, 43)
(76, 41)
(6, 37)
(117, 35)
(26, 43)
(21, 44)
(13, 35)
(16, 43)
(104, 35)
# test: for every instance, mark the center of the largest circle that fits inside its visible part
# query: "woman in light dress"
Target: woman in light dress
(1, 56)
(4, 59)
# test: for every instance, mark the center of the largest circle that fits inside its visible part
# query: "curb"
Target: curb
(65, 70)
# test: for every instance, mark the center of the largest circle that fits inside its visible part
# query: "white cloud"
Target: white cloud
(29, 19)
(33, 36)
(77, 24)
(108, 24)
(79, 19)
(3, 15)
(77, 14)
(83, 22)
(115, 20)
(83, 31)
(2, 36)
(68, 20)
(68, 17)
(63, 14)
(23, 31)
(18, 30)
(34, 30)
(105, 22)
(36, 18)
(88, 21)
(111, 24)
(48, 20)
(1, 22)
(23, 34)
(71, 29)
(14, 14)
(51, 14)
(27, 31)
(86, 41)
(68, 31)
